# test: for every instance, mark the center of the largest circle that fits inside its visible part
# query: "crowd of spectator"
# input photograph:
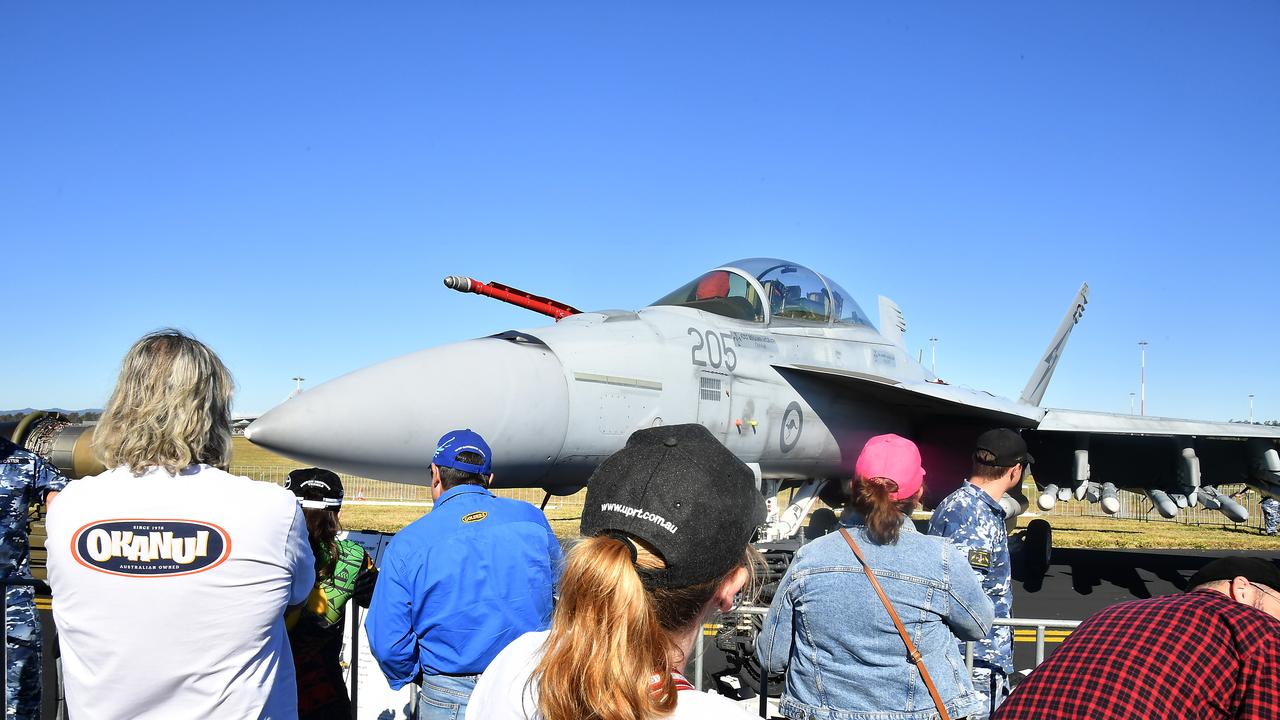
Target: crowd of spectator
(183, 591)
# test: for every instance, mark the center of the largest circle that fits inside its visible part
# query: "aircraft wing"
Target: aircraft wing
(925, 398)
(1089, 455)
(1120, 424)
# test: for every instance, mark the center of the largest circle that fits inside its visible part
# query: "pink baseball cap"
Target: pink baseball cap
(893, 457)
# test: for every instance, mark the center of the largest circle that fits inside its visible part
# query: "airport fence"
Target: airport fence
(359, 489)
(1133, 506)
(1137, 506)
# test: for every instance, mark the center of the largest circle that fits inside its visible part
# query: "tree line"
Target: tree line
(77, 416)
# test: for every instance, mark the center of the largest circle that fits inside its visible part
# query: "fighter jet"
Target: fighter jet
(778, 362)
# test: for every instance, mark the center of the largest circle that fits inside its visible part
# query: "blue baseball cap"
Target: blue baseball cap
(460, 441)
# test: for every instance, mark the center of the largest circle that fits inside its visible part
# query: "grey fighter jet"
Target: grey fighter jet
(778, 362)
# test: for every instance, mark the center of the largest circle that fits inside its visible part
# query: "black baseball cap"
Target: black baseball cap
(1254, 569)
(316, 488)
(680, 490)
(1001, 447)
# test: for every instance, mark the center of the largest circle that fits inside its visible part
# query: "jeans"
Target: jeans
(444, 697)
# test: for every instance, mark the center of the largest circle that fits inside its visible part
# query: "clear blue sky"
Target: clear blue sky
(291, 181)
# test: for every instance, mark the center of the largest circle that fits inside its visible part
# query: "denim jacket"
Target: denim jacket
(843, 655)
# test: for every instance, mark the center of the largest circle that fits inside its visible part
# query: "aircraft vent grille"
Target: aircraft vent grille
(711, 389)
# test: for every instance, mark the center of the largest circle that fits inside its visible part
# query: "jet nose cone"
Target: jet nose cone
(383, 421)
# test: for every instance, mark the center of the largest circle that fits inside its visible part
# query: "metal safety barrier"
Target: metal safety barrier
(1040, 627)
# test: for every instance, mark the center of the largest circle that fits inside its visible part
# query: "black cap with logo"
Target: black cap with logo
(1255, 570)
(316, 488)
(680, 490)
(1001, 447)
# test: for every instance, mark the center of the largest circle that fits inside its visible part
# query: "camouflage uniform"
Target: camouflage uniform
(1270, 515)
(973, 519)
(24, 480)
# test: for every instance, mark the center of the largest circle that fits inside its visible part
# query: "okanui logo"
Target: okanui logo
(150, 548)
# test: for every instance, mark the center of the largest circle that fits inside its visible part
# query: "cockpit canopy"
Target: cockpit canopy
(769, 290)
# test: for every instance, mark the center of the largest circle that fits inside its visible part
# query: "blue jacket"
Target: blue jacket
(460, 583)
(25, 479)
(974, 521)
(844, 659)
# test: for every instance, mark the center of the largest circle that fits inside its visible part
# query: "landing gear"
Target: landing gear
(740, 627)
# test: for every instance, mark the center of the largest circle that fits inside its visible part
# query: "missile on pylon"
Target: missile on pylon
(1110, 498)
(1048, 498)
(1215, 500)
(56, 439)
(1264, 462)
(1013, 505)
(1162, 502)
(1092, 491)
(1080, 469)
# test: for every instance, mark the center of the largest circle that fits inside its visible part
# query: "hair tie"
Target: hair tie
(622, 537)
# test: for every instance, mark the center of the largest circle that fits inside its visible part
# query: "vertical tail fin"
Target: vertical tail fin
(892, 323)
(1039, 382)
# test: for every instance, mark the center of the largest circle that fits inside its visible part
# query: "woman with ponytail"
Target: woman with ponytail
(829, 630)
(666, 528)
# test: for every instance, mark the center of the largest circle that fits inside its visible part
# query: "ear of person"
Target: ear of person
(730, 589)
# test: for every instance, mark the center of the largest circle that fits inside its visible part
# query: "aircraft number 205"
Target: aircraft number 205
(714, 349)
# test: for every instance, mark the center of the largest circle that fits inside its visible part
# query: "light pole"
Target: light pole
(298, 386)
(933, 356)
(1142, 378)
(1250, 408)
(1131, 396)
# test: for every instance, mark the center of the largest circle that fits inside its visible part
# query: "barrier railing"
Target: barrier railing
(1040, 627)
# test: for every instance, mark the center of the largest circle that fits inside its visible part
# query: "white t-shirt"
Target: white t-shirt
(504, 691)
(169, 594)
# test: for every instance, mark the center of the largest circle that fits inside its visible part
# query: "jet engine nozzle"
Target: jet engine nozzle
(62, 443)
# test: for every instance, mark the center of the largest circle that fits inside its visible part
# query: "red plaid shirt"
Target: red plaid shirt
(1196, 655)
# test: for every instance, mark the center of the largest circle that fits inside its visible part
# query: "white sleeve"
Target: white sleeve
(503, 691)
(299, 559)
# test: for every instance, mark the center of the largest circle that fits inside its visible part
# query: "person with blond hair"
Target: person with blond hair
(666, 530)
(171, 576)
(832, 633)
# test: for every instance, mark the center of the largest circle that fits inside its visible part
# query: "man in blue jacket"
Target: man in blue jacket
(461, 582)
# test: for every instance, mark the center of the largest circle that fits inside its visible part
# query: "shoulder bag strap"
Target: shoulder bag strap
(913, 654)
